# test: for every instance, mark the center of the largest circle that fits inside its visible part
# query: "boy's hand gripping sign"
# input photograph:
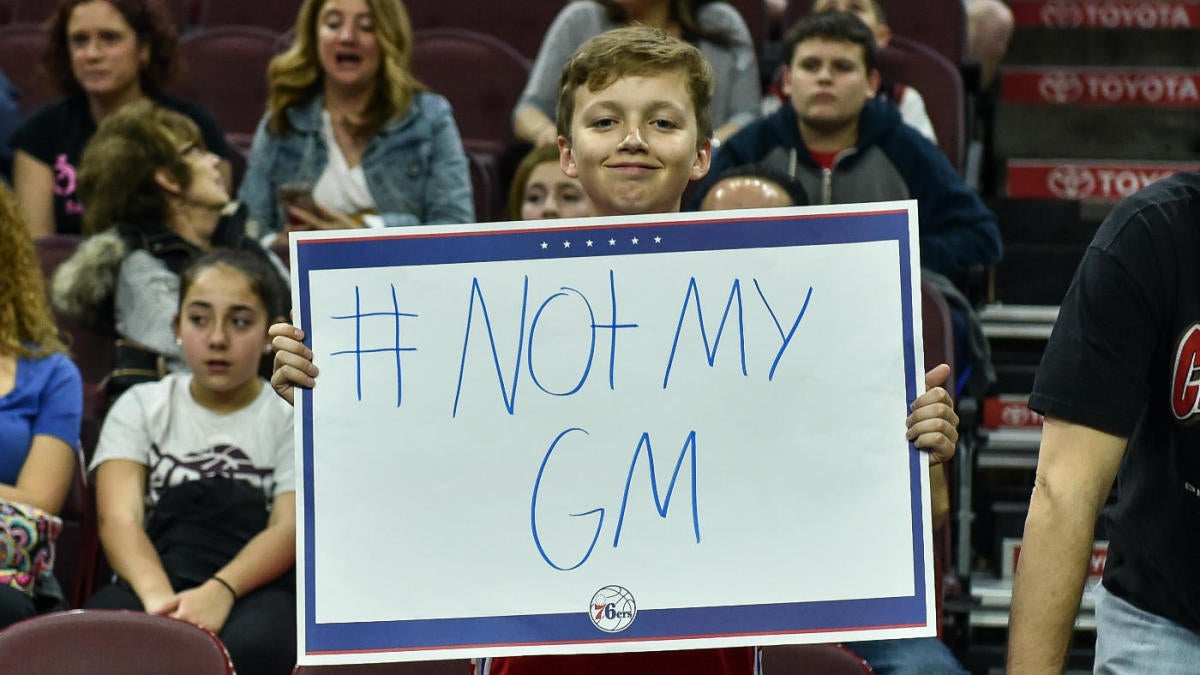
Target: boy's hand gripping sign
(617, 434)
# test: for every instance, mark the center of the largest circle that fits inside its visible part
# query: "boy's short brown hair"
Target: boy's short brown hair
(636, 50)
(836, 27)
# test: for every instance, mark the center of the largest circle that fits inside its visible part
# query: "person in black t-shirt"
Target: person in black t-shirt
(102, 54)
(1119, 384)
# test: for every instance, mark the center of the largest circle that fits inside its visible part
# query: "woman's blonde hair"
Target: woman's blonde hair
(27, 327)
(295, 75)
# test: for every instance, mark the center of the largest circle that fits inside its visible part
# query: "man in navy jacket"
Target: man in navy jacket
(845, 146)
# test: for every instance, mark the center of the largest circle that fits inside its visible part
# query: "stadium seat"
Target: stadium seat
(905, 61)
(442, 59)
(938, 24)
(453, 667)
(105, 641)
(275, 15)
(75, 549)
(520, 24)
(91, 349)
(21, 49)
(812, 660)
(938, 341)
(227, 73)
(754, 13)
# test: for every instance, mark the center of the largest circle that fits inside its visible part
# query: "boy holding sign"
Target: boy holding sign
(634, 128)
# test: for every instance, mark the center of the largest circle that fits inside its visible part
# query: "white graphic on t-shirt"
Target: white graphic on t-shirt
(219, 460)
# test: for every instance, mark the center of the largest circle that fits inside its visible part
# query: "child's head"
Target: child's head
(754, 187)
(870, 11)
(834, 26)
(633, 120)
(226, 301)
(161, 155)
(831, 72)
(540, 189)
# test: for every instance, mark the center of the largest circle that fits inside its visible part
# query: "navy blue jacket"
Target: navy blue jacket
(890, 161)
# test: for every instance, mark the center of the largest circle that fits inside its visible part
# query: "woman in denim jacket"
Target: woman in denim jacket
(350, 138)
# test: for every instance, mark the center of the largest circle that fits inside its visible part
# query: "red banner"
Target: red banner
(1108, 181)
(1079, 86)
(1144, 15)
(1009, 412)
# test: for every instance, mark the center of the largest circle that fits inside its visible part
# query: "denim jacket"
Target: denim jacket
(416, 167)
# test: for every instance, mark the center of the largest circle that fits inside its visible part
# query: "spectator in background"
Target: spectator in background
(102, 54)
(753, 187)
(41, 405)
(350, 125)
(164, 208)
(715, 28)
(195, 480)
(1118, 386)
(989, 30)
(907, 99)
(541, 190)
(846, 147)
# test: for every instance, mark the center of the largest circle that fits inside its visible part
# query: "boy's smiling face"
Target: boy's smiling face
(634, 146)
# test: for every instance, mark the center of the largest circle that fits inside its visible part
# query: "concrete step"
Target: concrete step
(1098, 47)
(1075, 132)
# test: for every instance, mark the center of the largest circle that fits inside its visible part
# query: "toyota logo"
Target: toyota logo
(1062, 14)
(1071, 182)
(1061, 87)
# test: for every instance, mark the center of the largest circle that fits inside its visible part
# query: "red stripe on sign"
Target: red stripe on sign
(1145, 15)
(1085, 180)
(1166, 89)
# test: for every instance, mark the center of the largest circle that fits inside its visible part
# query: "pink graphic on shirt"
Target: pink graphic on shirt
(64, 177)
(64, 184)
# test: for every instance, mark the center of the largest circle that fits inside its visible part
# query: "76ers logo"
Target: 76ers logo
(1185, 384)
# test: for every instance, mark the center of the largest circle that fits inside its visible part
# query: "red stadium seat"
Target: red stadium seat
(77, 544)
(480, 75)
(520, 24)
(906, 61)
(227, 73)
(98, 641)
(939, 24)
(21, 49)
(276, 15)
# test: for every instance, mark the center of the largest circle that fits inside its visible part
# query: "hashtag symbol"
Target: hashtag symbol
(395, 314)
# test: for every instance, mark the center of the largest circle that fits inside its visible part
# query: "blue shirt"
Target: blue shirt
(47, 399)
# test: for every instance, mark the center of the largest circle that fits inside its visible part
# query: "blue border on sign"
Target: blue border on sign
(575, 241)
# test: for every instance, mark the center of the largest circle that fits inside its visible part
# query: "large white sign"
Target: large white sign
(611, 435)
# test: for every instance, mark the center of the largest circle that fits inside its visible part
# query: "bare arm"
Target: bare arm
(45, 477)
(33, 183)
(262, 560)
(120, 486)
(533, 126)
(1076, 468)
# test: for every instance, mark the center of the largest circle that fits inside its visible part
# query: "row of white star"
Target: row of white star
(590, 244)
